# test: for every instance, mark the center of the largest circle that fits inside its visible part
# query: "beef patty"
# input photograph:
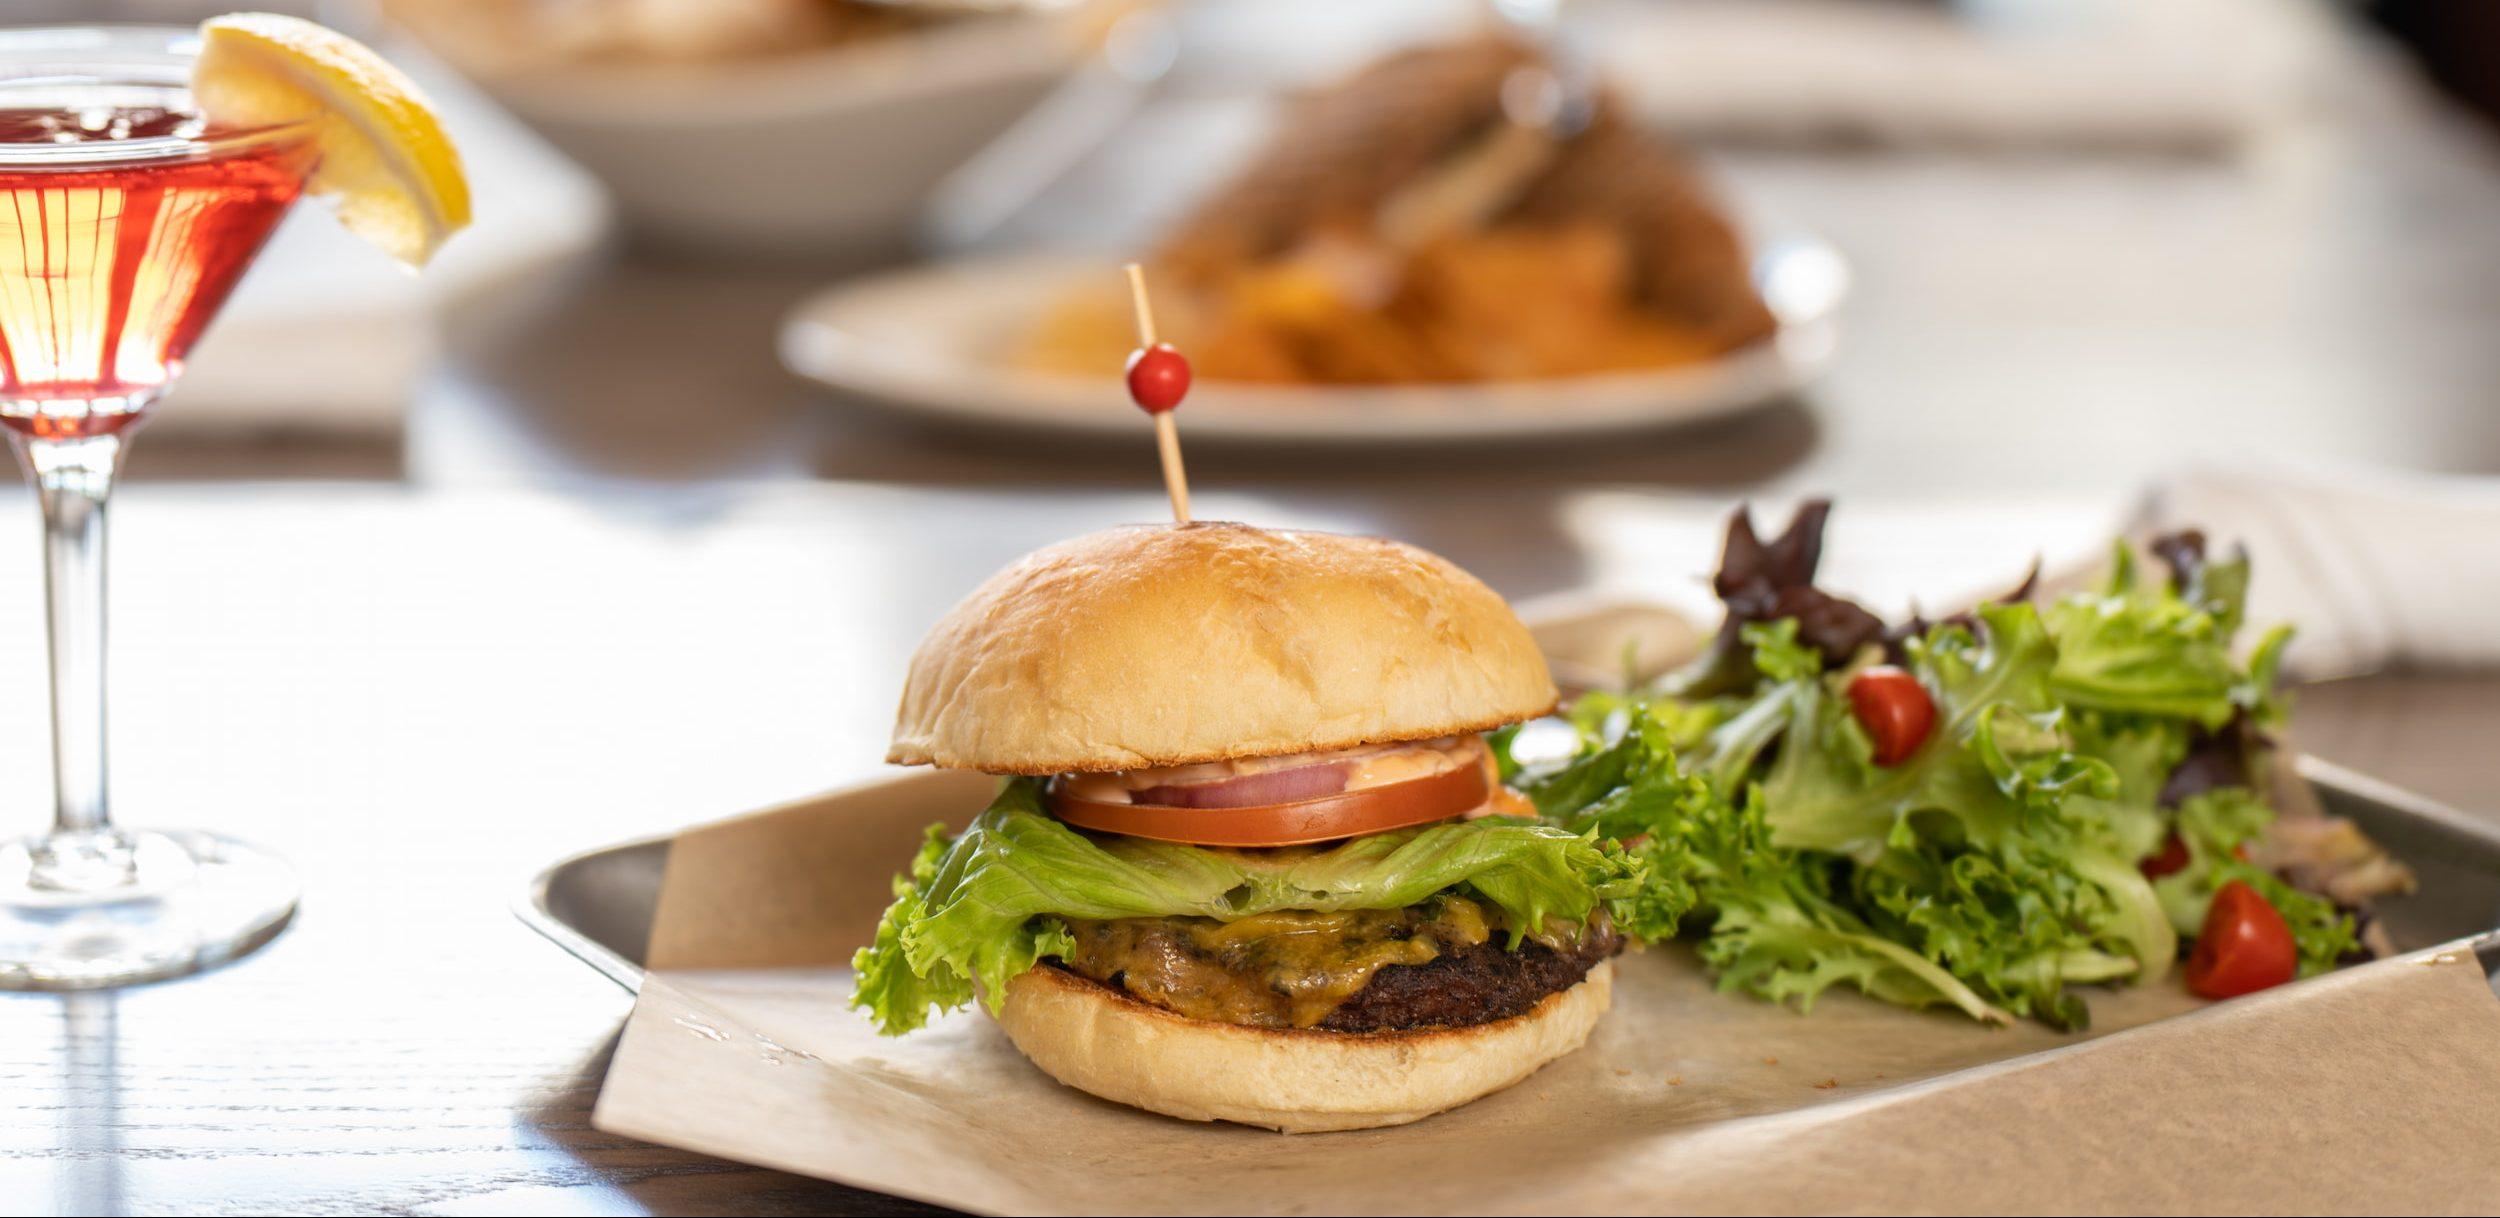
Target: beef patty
(1440, 964)
(1479, 984)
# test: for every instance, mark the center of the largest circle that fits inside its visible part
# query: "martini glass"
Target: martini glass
(125, 219)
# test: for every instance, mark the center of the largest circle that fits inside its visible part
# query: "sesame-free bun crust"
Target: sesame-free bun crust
(1100, 1040)
(1177, 644)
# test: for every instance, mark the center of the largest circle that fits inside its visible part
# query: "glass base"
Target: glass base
(82, 911)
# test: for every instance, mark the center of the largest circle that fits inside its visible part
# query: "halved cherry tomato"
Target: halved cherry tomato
(2246, 946)
(1894, 709)
(2171, 859)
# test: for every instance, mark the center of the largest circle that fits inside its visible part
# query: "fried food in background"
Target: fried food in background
(1402, 227)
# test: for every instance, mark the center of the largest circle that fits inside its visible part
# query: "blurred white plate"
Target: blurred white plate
(934, 341)
(827, 152)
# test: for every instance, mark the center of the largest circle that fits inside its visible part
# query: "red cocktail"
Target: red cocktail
(125, 219)
(110, 268)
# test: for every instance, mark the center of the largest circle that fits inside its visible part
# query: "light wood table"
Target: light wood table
(422, 697)
(625, 574)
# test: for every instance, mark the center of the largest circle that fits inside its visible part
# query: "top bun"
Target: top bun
(1176, 644)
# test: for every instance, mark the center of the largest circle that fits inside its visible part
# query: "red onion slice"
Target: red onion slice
(1252, 790)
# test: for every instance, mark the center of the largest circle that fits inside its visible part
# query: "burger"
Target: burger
(1252, 859)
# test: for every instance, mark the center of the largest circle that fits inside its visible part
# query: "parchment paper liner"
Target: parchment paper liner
(2372, 1089)
(2375, 1088)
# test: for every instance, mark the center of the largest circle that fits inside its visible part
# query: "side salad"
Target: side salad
(1984, 811)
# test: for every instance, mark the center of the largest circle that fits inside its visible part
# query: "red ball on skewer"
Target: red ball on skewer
(1158, 377)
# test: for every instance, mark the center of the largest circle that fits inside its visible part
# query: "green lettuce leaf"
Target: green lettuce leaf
(976, 911)
(2143, 647)
(1777, 929)
(2152, 663)
(1992, 850)
(899, 994)
(1995, 765)
(2141, 751)
(1773, 928)
(1991, 870)
(1624, 790)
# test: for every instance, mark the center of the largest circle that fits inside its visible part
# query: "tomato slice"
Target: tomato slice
(1894, 709)
(1417, 801)
(2246, 945)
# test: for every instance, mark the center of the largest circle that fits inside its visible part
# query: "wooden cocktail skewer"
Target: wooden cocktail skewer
(1157, 380)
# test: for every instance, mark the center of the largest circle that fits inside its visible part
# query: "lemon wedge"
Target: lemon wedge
(385, 161)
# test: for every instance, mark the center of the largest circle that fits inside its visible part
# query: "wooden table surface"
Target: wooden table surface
(624, 574)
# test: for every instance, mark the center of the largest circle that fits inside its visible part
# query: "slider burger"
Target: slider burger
(1253, 860)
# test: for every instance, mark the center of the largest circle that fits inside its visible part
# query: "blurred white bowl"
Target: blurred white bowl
(825, 154)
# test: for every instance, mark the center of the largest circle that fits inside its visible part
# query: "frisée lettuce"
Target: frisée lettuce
(2002, 862)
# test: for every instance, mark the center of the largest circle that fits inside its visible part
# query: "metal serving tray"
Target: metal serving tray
(598, 905)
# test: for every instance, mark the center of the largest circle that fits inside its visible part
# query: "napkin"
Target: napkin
(2378, 569)
(2185, 75)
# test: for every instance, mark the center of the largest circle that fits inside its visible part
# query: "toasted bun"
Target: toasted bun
(1178, 644)
(1097, 1039)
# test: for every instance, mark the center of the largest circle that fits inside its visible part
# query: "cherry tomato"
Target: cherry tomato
(2171, 859)
(2246, 946)
(1158, 377)
(1894, 709)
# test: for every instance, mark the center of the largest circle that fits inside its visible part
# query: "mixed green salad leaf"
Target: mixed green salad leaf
(1999, 864)
(978, 909)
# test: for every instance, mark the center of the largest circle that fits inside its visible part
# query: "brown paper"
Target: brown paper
(2370, 1089)
(709, 914)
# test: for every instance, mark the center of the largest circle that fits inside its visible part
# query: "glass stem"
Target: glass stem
(73, 479)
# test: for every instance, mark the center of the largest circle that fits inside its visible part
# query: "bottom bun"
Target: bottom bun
(1097, 1039)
